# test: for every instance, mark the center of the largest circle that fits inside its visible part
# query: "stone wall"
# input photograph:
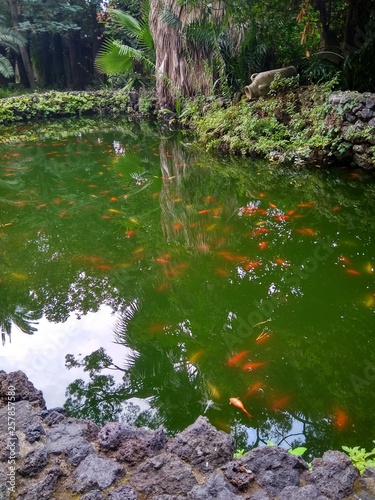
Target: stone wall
(61, 458)
(353, 123)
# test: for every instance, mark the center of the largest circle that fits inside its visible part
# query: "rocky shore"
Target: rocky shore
(46, 455)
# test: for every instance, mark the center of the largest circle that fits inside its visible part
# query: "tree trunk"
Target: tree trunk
(23, 49)
(74, 45)
(181, 70)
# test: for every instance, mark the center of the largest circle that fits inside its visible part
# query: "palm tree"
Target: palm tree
(117, 57)
(9, 40)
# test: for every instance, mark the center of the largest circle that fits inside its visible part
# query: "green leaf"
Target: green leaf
(297, 451)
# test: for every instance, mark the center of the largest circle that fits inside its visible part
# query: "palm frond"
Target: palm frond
(110, 61)
(6, 68)
(11, 39)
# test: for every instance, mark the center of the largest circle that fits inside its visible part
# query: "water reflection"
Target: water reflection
(229, 279)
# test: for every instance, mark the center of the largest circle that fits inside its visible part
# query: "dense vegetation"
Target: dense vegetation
(197, 48)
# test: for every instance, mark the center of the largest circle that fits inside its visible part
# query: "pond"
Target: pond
(193, 279)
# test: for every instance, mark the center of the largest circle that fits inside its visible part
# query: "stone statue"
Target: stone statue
(260, 82)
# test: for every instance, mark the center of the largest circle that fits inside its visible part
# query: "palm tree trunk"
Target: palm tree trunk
(23, 49)
(180, 70)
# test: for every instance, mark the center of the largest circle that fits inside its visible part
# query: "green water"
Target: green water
(201, 259)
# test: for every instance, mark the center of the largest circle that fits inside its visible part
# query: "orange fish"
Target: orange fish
(306, 231)
(353, 272)
(344, 259)
(253, 366)
(308, 204)
(195, 357)
(272, 205)
(207, 211)
(263, 245)
(281, 218)
(161, 260)
(263, 337)
(238, 404)
(106, 217)
(291, 212)
(232, 257)
(281, 262)
(222, 272)
(281, 403)
(177, 226)
(129, 233)
(113, 198)
(92, 186)
(254, 388)
(336, 208)
(251, 265)
(104, 267)
(236, 358)
(259, 230)
(341, 419)
(261, 195)
(157, 328)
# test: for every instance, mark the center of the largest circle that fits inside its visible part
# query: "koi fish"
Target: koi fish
(336, 208)
(161, 260)
(251, 265)
(162, 287)
(92, 186)
(232, 257)
(195, 357)
(237, 358)
(263, 245)
(214, 391)
(263, 337)
(238, 404)
(369, 268)
(353, 272)
(113, 198)
(106, 217)
(261, 195)
(256, 387)
(207, 211)
(369, 300)
(130, 233)
(272, 205)
(259, 230)
(306, 231)
(308, 204)
(253, 366)
(177, 226)
(209, 199)
(341, 419)
(114, 211)
(222, 272)
(203, 248)
(282, 262)
(281, 403)
(157, 328)
(344, 259)
(281, 218)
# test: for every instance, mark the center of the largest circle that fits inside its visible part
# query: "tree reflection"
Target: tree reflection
(171, 242)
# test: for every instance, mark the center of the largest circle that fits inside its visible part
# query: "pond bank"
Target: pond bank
(306, 125)
(52, 456)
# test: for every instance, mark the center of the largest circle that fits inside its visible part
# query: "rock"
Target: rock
(33, 429)
(3, 486)
(203, 446)
(69, 438)
(163, 474)
(95, 472)
(110, 436)
(93, 495)
(238, 474)
(333, 475)
(308, 492)
(215, 488)
(274, 468)
(365, 114)
(132, 445)
(124, 492)
(41, 489)
(34, 462)
(23, 388)
(53, 417)
(258, 495)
